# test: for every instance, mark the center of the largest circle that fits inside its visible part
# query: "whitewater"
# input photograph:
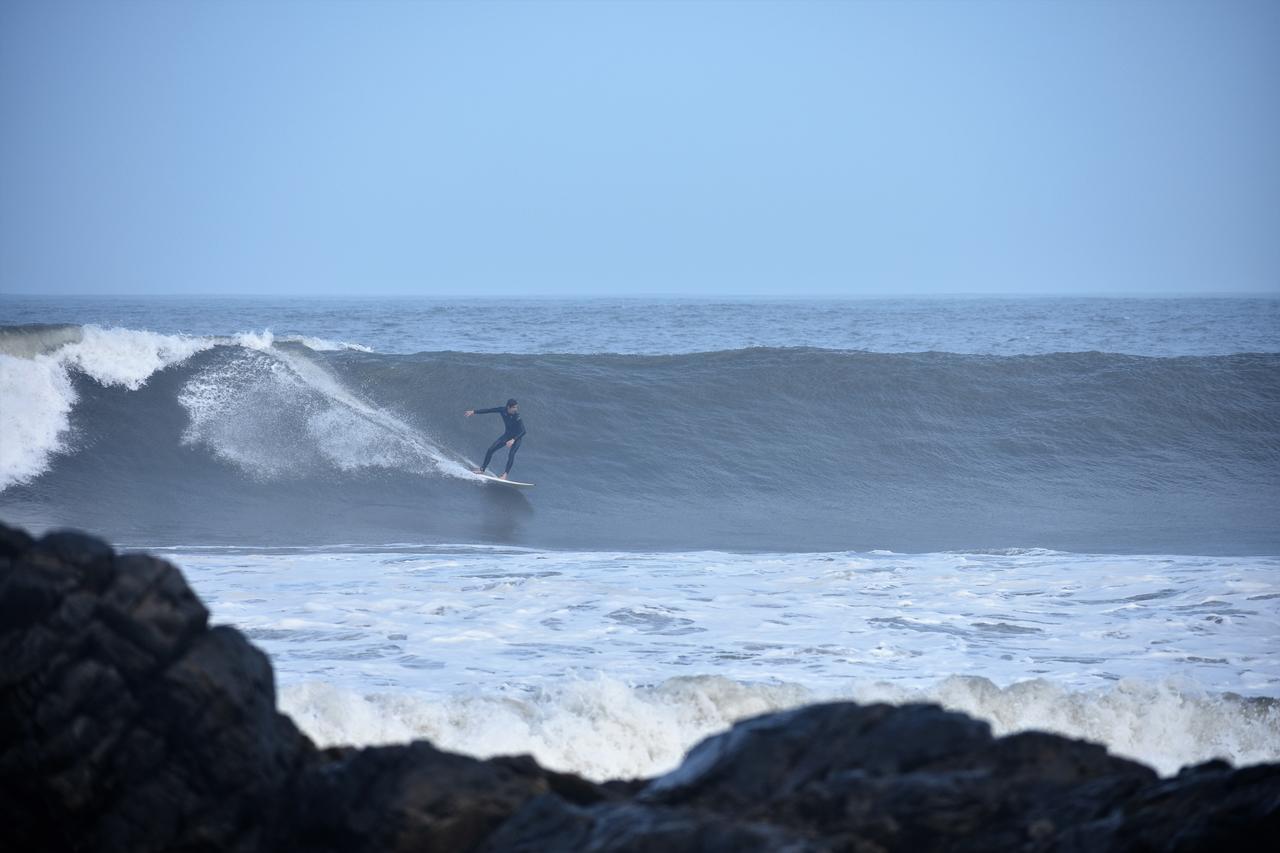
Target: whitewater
(1053, 514)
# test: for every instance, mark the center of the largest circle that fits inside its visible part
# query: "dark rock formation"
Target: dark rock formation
(128, 724)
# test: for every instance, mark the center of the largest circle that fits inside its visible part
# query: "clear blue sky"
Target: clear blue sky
(679, 148)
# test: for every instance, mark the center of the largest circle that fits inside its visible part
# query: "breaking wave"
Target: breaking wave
(603, 728)
(757, 449)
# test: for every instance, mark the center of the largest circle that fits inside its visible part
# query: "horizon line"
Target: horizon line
(666, 296)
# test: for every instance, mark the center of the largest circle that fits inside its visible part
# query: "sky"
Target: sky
(701, 149)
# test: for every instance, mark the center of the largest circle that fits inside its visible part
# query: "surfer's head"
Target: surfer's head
(511, 404)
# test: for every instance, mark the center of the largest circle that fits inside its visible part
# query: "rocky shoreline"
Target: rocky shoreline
(128, 723)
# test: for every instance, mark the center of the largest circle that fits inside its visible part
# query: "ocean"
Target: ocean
(1050, 513)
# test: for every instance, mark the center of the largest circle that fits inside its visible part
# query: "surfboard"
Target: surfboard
(494, 479)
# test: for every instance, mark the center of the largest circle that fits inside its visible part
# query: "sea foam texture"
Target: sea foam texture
(603, 728)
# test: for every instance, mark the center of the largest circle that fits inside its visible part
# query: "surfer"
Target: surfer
(511, 436)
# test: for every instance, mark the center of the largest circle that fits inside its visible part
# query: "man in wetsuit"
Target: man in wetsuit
(511, 436)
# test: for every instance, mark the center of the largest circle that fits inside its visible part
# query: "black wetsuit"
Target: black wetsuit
(514, 429)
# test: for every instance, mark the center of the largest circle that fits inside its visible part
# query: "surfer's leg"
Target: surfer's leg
(511, 457)
(488, 454)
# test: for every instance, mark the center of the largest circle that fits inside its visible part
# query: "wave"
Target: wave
(36, 363)
(757, 449)
(603, 728)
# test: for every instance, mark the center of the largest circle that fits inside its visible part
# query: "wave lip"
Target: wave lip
(35, 382)
(266, 339)
(30, 340)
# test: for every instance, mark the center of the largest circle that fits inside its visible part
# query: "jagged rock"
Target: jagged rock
(899, 778)
(1208, 807)
(550, 825)
(127, 723)
(417, 798)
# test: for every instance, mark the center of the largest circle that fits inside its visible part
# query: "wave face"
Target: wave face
(252, 440)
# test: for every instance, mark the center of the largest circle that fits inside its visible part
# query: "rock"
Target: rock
(13, 542)
(550, 825)
(416, 797)
(913, 777)
(1208, 807)
(127, 723)
(773, 756)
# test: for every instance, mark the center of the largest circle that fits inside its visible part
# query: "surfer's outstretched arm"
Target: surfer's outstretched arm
(493, 411)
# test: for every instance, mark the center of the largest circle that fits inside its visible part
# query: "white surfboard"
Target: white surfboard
(494, 479)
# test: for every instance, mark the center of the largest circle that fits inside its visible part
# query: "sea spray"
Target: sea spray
(276, 413)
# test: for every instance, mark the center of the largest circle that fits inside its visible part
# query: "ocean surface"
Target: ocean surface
(1050, 513)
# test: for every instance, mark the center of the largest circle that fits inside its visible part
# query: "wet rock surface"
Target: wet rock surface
(128, 723)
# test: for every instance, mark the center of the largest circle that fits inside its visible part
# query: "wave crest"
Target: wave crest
(35, 382)
(37, 362)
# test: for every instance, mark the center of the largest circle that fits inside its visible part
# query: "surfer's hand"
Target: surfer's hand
(511, 442)
(469, 412)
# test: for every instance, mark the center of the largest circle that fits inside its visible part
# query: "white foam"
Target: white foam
(324, 345)
(127, 357)
(439, 642)
(759, 617)
(603, 728)
(265, 339)
(37, 398)
(261, 341)
(38, 394)
(1166, 724)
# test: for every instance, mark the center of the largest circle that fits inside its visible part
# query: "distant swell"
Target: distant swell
(252, 440)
